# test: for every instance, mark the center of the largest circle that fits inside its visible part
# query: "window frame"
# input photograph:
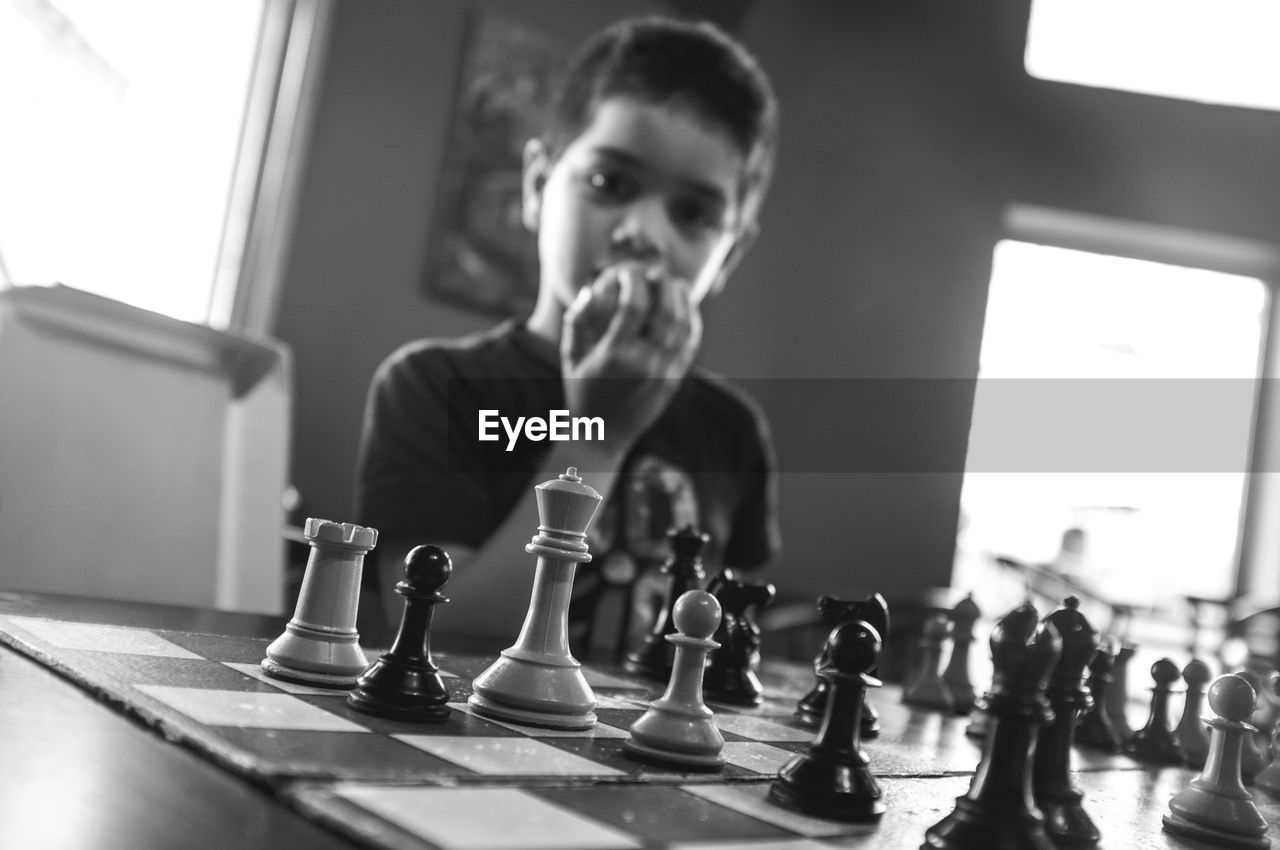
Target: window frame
(267, 178)
(1257, 556)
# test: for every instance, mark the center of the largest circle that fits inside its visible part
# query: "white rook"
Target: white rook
(320, 645)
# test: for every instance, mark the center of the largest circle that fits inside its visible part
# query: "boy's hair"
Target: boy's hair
(666, 61)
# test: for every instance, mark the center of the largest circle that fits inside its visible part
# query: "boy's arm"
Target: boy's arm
(490, 586)
(627, 342)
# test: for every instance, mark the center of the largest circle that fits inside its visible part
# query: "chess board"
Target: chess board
(472, 782)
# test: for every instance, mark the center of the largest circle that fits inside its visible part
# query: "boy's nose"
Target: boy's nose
(640, 231)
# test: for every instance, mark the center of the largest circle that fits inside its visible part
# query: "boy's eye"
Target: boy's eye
(697, 213)
(609, 184)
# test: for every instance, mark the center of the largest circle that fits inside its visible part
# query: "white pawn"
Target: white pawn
(1215, 808)
(678, 728)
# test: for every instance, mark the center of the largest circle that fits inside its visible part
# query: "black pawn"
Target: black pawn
(1059, 800)
(833, 779)
(874, 611)
(404, 683)
(999, 811)
(1095, 729)
(1118, 693)
(731, 671)
(1155, 742)
(654, 656)
(1191, 731)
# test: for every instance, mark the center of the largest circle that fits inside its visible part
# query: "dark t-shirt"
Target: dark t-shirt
(424, 473)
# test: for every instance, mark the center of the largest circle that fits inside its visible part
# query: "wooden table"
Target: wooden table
(79, 773)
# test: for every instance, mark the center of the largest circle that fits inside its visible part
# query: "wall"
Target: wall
(908, 126)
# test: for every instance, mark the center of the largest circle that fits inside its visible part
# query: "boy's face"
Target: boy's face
(643, 183)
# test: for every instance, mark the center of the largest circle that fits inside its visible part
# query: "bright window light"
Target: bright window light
(1055, 313)
(1214, 51)
(121, 123)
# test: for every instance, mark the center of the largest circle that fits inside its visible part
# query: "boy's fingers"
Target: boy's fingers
(576, 320)
(669, 328)
(694, 339)
(632, 309)
(590, 314)
(662, 311)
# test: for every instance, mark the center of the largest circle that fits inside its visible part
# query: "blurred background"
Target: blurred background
(1008, 313)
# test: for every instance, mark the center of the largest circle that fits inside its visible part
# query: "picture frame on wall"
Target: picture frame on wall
(480, 255)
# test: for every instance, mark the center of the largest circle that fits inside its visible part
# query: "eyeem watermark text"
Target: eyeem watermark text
(558, 426)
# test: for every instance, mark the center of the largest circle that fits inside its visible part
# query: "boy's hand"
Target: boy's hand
(628, 339)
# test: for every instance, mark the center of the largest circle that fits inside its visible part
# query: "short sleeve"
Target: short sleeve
(756, 539)
(404, 481)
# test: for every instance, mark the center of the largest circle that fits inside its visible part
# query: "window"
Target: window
(1070, 333)
(1216, 51)
(135, 134)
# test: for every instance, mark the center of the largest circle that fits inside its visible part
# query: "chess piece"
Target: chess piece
(1155, 742)
(1065, 819)
(404, 683)
(1118, 694)
(833, 779)
(1215, 807)
(1261, 711)
(999, 811)
(956, 676)
(684, 571)
(1268, 779)
(1268, 710)
(874, 611)
(731, 672)
(928, 690)
(320, 645)
(1252, 758)
(678, 729)
(537, 681)
(977, 726)
(1094, 729)
(1190, 731)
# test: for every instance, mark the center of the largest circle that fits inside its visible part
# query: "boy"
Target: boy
(643, 194)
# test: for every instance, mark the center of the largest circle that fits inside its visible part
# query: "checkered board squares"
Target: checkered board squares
(485, 819)
(756, 757)
(508, 756)
(768, 844)
(249, 710)
(93, 637)
(543, 818)
(761, 729)
(703, 816)
(210, 692)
